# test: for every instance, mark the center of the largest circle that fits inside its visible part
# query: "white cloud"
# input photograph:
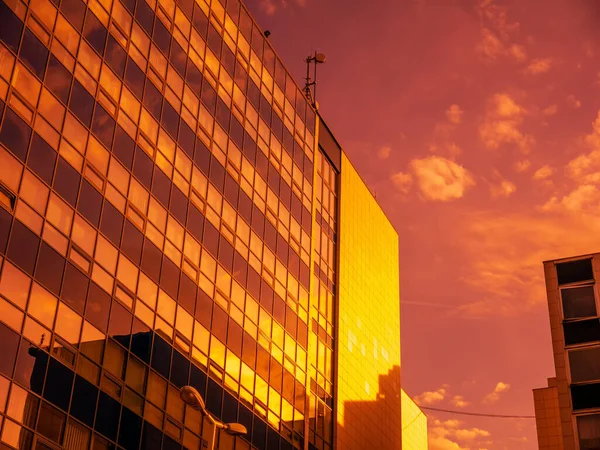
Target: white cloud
(494, 396)
(432, 397)
(539, 65)
(543, 173)
(402, 182)
(503, 190)
(441, 179)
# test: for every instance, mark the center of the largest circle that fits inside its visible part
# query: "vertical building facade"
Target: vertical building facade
(547, 417)
(572, 291)
(414, 425)
(170, 217)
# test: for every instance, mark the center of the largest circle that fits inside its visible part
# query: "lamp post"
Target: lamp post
(192, 397)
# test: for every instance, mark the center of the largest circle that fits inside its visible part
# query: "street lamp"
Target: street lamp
(193, 398)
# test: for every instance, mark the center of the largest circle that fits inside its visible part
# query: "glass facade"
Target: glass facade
(162, 202)
(368, 378)
(414, 425)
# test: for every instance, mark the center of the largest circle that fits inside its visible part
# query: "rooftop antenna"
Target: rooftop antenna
(317, 58)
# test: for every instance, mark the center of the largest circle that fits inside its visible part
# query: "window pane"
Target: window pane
(14, 285)
(578, 302)
(585, 364)
(589, 432)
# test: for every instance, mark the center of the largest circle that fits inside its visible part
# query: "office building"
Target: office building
(414, 425)
(573, 397)
(174, 212)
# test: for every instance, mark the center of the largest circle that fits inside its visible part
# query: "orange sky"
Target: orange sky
(475, 122)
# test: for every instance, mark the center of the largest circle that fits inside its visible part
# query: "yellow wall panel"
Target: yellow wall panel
(368, 379)
(414, 425)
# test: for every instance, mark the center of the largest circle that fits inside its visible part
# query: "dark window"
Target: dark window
(49, 269)
(245, 206)
(178, 57)
(161, 37)
(132, 242)
(228, 60)
(51, 423)
(187, 293)
(151, 260)
(98, 307)
(259, 433)
(142, 167)
(161, 187)
(219, 324)
(153, 98)
(83, 403)
(145, 16)
(186, 139)
(5, 222)
(574, 271)
(210, 239)
(103, 126)
(34, 54)
(151, 437)
(23, 247)
(214, 397)
(202, 156)
(90, 203)
(81, 103)
(10, 27)
(254, 94)
(180, 369)
(179, 204)
(200, 20)
(74, 289)
(59, 381)
(112, 223)
(223, 114)
(585, 396)
(234, 338)
(120, 322)
(226, 253)
(194, 77)
(58, 79)
(589, 431)
(66, 181)
(578, 302)
(195, 222)
(170, 119)
(169, 277)
(204, 306)
(582, 331)
(31, 363)
(241, 77)
(74, 10)
(95, 32)
(15, 134)
(214, 39)
(161, 356)
(130, 429)
(9, 342)
(209, 97)
(107, 418)
(42, 158)
(115, 56)
(123, 147)
(585, 364)
(134, 77)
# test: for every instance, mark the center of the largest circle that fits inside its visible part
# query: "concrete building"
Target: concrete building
(174, 212)
(572, 398)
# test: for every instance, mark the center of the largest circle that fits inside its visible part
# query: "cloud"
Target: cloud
(543, 172)
(585, 168)
(402, 182)
(432, 397)
(502, 190)
(441, 179)
(454, 114)
(538, 66)
(550, 110)
(501, 125)
(384, 152)
(496, 34)
(494, 396)
(504, 251)
(442, 143)
(270, 7)
(573, 102)
(522, 166)
(459, 401)
(585, 198)
(443, 435)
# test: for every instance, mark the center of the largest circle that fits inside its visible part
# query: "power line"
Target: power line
(464, 413)
(412, 421)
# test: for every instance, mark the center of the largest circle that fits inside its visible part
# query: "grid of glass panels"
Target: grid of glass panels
(156, 169)
(322, 312)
